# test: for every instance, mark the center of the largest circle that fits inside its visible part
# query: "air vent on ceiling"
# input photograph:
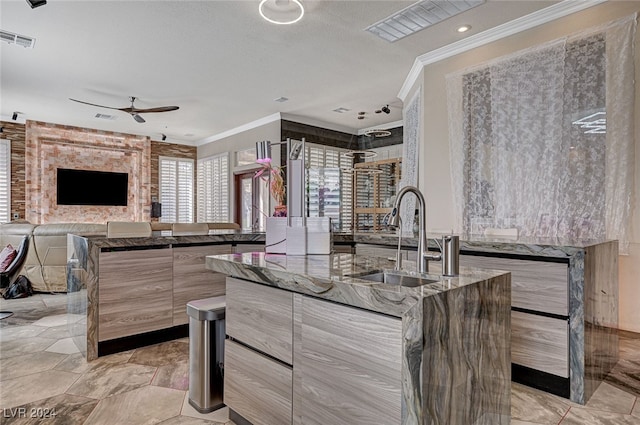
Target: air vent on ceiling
(20, 40)
(419, 16)
(105, 116)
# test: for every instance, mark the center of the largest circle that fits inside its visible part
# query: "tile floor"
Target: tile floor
(42, 372)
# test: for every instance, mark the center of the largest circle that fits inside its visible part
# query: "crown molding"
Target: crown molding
(548, 14)
(248, 126)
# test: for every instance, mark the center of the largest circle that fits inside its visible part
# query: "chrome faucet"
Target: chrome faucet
(449, 249)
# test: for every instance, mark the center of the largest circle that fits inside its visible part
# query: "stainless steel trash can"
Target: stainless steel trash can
(206, 353)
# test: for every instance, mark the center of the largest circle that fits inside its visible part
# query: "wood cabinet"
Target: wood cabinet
(297, 358)
(257, 387)
(248, 247)
(535, 285)
(135, 292)
(540, 343)
(261, 317)
(192, 280)
(540, 320)
(374, 187)
(349, 362)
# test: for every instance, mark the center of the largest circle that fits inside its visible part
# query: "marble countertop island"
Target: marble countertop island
(455, 331)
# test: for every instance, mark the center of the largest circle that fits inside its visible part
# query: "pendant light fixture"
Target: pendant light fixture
(281, 12)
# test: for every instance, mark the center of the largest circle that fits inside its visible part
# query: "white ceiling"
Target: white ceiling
(218, 60)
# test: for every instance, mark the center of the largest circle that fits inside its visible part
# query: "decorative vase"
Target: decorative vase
(280, 211)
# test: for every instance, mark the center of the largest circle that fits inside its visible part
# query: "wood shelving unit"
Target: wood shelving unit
(374, 192)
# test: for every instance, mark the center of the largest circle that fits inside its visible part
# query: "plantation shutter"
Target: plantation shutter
(176, 190)
(319, 156)
(213, 189)
(5, 180)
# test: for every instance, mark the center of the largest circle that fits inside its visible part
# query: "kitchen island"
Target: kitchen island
(564, 295)
(312, 342)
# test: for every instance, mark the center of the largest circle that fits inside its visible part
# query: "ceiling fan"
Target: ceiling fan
(132, 110)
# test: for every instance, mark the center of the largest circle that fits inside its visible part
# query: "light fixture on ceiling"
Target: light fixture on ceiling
(164, 137)
(36, 3)
(15, 116)
(281, 12)
(419, 16)
(377, 132)
(341, 110)
(464, 28)
(386, 109)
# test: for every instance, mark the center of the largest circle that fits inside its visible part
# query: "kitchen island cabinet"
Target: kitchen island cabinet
(366, 352)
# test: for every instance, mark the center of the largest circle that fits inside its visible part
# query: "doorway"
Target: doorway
(252, 202)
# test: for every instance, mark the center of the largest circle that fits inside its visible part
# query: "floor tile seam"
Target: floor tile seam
(565, 414)
(40, 371)
(633, 406)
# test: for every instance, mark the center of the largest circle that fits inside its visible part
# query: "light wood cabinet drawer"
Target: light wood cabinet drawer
(541, 343)
(261, 317)
(257, 387)
(135, 292)
(350, 364)
(535, 285)
(192, 280)
(248, 247)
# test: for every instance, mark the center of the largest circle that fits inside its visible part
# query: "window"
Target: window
(213, 189)
(338, 208)
(176, 190)
(5, 180)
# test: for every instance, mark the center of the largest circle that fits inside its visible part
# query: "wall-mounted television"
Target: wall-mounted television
(87, 187)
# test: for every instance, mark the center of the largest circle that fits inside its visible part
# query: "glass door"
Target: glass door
(252, 202)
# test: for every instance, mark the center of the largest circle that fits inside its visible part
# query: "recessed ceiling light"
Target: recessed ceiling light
(341, 110)
(464, 28)
(189, 135)
(281, 99)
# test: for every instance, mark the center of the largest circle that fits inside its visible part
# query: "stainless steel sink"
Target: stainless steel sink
(394, 278)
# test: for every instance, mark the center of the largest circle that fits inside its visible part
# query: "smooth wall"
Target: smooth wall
(434, 150)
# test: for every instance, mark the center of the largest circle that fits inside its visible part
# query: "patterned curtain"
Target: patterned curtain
(542, 140)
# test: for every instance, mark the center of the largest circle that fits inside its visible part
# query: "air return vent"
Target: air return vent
(20, 40)
(419, 16)
(105, 116)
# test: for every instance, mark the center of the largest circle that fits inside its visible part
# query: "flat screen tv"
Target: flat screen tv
(86, 187)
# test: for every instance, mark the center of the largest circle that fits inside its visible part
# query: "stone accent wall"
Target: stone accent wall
(16, 133)
(51, 146)
(159, 149)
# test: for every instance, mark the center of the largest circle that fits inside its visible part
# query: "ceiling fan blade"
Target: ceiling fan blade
(93, 104)
(158, 109)
(138, 118)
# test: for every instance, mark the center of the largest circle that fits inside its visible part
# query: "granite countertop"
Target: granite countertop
(333, 277)
(547, 247)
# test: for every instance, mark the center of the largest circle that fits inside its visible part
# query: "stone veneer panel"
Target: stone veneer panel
(16, 133)
(51, 146)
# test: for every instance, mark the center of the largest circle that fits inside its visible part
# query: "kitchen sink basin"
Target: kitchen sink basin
(394, 278)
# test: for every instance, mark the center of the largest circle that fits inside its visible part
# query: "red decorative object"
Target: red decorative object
(280, 211)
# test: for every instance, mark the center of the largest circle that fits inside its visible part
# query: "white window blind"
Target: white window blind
(320, 156)
(5, 180)
(176, 189)
(213, 189)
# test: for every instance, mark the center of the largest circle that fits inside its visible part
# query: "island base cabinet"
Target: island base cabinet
(257, 387)
(135, 292)
(192, 280)
(348, 366)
